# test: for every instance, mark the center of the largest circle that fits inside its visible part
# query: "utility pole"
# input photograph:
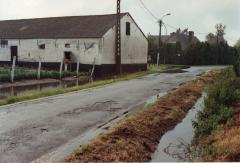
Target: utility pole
(160, 37)
(159, 41)
(118, 38)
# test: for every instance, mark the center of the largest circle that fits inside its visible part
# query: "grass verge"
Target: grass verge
(52, 92)
(27, 74)
(137, 136)
(217, 130)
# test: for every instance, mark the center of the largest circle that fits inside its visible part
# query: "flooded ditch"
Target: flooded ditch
(174, 145)
(19, 90)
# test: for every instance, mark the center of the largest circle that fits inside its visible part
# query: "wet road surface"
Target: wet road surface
(29, 130)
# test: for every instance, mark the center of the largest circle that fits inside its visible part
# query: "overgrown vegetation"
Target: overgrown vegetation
(135, 138)
(214, 51)
(26, 74)
(217, 117)
(236, 63)
(201, 53)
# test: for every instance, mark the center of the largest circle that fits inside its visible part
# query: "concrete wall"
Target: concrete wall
(134, 47)
(28, 50)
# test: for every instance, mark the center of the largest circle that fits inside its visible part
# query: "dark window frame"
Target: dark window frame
(128, 28)
(3, 43)
(67, 45)
(42, 46)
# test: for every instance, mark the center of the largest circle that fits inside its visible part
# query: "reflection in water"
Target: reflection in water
(23, 90)
(175, 144)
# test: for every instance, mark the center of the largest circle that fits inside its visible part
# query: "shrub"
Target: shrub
(221, 94)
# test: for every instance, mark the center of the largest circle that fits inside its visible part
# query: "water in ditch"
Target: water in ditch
(27, 89)
(174, 145)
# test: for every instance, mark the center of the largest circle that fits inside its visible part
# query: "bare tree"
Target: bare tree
(220, 32)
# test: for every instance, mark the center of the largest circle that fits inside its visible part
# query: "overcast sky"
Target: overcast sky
(198, 15)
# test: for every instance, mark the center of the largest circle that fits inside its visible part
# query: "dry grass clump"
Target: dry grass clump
(136, 138)
(226, 142)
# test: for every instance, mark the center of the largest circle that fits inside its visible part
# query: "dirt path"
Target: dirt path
(32, 129)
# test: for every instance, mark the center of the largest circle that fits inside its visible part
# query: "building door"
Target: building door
(14, 52)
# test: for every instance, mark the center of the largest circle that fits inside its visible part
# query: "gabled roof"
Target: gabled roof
(94, 26)
(174, 38)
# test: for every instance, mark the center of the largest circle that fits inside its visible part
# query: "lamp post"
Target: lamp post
(160, 36)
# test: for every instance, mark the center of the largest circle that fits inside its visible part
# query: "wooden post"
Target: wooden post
(13, 68)
(39, 68)
(60, 71)
(65, 67)
(93, 69)
(78, 60)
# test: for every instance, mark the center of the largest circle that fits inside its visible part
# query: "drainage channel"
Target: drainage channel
(174, 144)
(27, 89)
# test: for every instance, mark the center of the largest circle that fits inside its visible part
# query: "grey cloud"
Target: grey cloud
(197, 15)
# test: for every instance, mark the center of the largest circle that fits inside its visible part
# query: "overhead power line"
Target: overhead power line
(171, 26)
(149, 11)
(168, 25)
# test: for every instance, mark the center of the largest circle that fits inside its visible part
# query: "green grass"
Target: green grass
(218, 111)
(27, 74)
(118, 78)
(217, 114)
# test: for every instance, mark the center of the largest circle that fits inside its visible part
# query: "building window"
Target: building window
(67, 55)
(3, 43)
(128, 28)
(67, 45)
(42, 46)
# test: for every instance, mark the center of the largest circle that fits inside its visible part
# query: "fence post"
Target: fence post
(39, 68)
(65, 67)
(60, 71)
(78, 60)
(13, 68)
(158, 57)
(92, 71)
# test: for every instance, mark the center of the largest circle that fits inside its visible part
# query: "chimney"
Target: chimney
(191, 36)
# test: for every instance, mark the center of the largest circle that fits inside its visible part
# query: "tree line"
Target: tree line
(200, 53)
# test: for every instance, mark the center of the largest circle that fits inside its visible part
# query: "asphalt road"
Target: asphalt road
(29, 130)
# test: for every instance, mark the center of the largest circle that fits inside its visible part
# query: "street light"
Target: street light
(160, 36)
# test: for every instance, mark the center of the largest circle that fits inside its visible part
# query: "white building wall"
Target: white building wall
(28, 50)
(5, 54)
(134, 47)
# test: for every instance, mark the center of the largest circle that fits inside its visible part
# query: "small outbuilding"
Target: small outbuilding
(87, 39)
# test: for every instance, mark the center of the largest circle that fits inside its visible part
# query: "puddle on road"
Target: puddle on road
(24, 90)
(174, 71)
(173, 144)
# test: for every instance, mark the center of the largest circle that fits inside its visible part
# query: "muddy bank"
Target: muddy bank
(137, 137)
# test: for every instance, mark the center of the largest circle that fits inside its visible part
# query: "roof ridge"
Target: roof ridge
(53, 17)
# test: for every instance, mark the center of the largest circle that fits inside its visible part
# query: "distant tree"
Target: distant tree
(210, 36)
(152, 49)
(237, 45)
(220, 32)
(236, 64)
